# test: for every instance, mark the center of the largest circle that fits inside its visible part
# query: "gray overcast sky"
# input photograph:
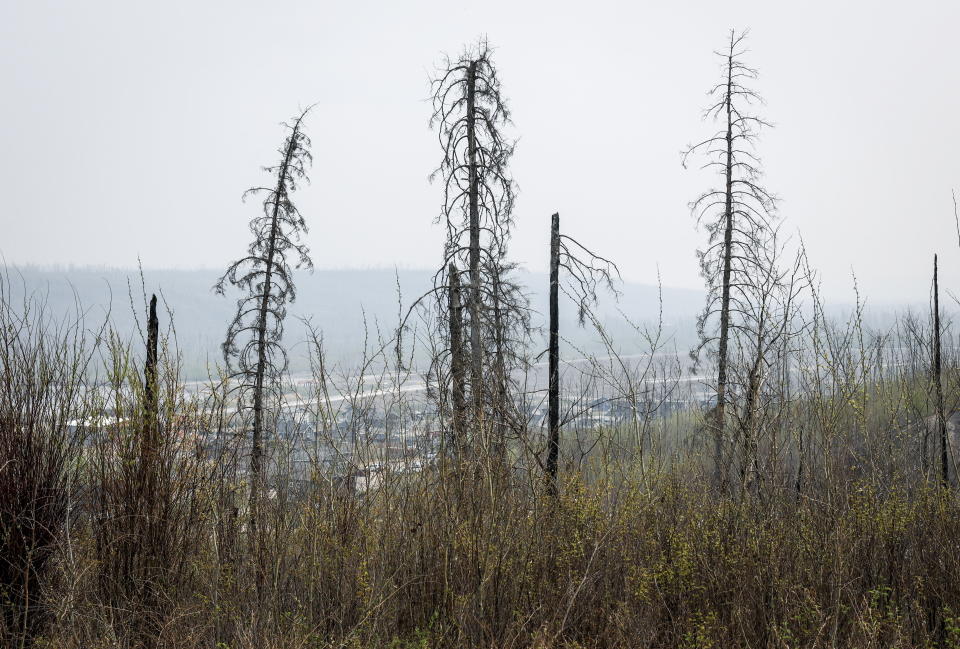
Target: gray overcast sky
(132, 128)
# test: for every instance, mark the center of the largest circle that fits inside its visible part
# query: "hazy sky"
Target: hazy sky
(132, 128)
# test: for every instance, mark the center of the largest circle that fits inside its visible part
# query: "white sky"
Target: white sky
(132, 128)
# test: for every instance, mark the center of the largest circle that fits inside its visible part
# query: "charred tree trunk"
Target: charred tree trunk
(150, 528)
(720, 412)
(476, 351)
(553, 445)
(151, 414)
(938, 383)
(150, 439)
(456, 361)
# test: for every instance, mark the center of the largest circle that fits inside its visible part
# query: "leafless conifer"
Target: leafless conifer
(469, 113)
(735, 216)
(252, 349)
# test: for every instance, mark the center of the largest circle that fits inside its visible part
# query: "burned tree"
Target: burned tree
(469, 114)
(553, 355)
(736, 216)
(149, 442)
(941, 421)
(150, 539)
(252, 349)
(586, 272)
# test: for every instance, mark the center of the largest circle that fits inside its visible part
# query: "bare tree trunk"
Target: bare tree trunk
(476, 352)
(149, 540)
(149, 442)
(553, 450)
(456, 360)
(937, 383)
(720, 412)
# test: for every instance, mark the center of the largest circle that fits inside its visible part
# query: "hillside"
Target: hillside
(335, 301)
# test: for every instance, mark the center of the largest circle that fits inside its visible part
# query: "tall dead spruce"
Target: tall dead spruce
(737, 217)
(469, 114)
(252, 349)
